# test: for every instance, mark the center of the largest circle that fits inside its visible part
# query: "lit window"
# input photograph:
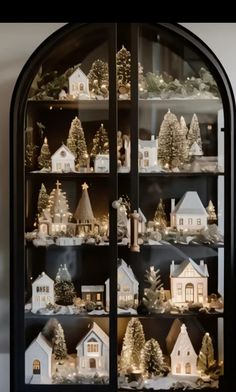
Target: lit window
(198, 221)
(190, 221)
(92, 347)
(146, 154)
(146, 162)
(126, 288)
(36, 366)
(98, 296)
(181, 221)
(179, 288)
(88, 297)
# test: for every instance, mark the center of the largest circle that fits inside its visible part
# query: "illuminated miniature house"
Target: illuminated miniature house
(42, 292)
(127, 288)
(63, 160)
(79, 84)
(148, 153)
(93, 293)
(183, 355)
(93, 352)
(189, 282)
(38, 361)
(188, 214)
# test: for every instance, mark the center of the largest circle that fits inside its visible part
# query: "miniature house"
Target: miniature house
(92, 293)
(189, 282)
(38, 361)
(101, 163)
(93, 352)
(63, 160)
(148, 153)
(188, 214)
(79, 84)
(195, 150)
(127, 288)
(42, 292)
(183, 356)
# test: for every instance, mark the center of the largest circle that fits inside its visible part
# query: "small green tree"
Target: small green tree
(98, 77)
(44, 159)
(160, 216)
(152, 358)
(42, 199)
(133, 344)
(206, 354)
(123, 66)
(59, 349)
(100, 142)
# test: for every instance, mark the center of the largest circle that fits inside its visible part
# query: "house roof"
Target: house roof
(127, 269)
(43, 276)
(201, 269)
(190, 203)
(76, 70)
(183, 342)
(142, 217)
(98, 332)
(148, 143)
(43, 343)
(63, 147)
(92, 288)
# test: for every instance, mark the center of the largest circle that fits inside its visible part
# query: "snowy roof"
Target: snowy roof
(183, 342)
(195, 149)
(43, 343)
(76, 70)
(190, 203)
(63, 147)
(127, 269)
(148, 143)
(98, 332)
(92, 288)
(176, 270)
(142, 217)
(44, 277)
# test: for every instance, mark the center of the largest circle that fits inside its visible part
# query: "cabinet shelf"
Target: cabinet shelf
(183, 105)
(31, 316)
(182, 174)
(89, 104)
(64, 176)
(161, 316)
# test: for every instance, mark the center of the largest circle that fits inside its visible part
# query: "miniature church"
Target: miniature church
(148, 153)
(93, 352)
(38, 361)
(42, 292)
(127, 288)
(63, 160)
(79, 84)
(183, 355)
(189, 282)
(85, 219)
(55, 218)
(188, 214)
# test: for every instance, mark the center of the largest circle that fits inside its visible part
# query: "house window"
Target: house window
(92, 346)
(200, 292)
(36, 367)
(189, 292)
(98, 297)
(67, 166)
(179, 289)
(81, 87)
(198, 221)
(181, 221)
(178, 368)
(63, 153)
(118, 287)
(92, 363)
(178, 352)
(126, 288)
(190, 221)
(58, 165)
(88, 297)
(146, 154)
(188, 352)
(188, 368)
(146, 162)
(83, 363)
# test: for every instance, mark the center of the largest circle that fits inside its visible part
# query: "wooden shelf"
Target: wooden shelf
(183, 105)
(212, 315)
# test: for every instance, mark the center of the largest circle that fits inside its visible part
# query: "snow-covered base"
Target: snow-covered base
(65, 310)
(127, 311)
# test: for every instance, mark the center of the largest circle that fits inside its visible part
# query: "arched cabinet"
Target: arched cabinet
(122, 235)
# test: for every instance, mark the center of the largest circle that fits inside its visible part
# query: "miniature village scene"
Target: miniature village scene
(47, 360)
(174, 364)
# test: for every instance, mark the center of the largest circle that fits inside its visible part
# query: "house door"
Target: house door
(188, 368)
(92, 363)
(36, 367)
(178, 368)
(189, 292)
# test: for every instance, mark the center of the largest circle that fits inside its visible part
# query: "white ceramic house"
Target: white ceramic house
(183, 356)
(101, 163)
(188, 214)
(148, 153)
(79, 84)
(42, 292)
(38, 361)
(93, 352)
(127, 288)
(63, 160)
(189, 282)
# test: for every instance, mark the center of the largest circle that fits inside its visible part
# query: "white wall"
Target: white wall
(17, 42)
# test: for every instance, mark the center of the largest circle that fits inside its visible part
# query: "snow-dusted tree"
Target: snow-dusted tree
(42, 199)
(194, 134)
(59, 349)
(98, 78)
(123, 66)
(76, 142)
(133, 344)
(152, 358)
(160, 216)
(206, 355)
(154, 295)
(64, 287)
(172, 144)
(183, 125)
(44, 159)
(58, 205)
(100, 142)
(211, 212)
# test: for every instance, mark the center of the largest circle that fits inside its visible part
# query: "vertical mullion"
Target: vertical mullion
(113, 127)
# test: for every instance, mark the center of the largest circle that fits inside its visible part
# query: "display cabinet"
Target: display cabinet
(122, 261)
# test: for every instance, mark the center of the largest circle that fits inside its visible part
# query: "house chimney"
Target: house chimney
(172, 205)
(172, 267)
(152, 137)
(202, 263)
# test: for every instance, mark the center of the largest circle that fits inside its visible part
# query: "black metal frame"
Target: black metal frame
(18, 108)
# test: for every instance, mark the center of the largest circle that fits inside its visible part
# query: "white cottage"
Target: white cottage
(79, 84)
(38, 361)
(148, 153)
(63, 160)
(42, 292)
(189, 282)
(93, 352)
(127, 287)
(183, 356)
(188, 214)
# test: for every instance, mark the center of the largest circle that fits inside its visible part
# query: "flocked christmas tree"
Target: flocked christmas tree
(98, 78)
(194, 134)
(100, 142)
(206, 355)
(59, 348)
(123, 68)
(63, 287)
(183, 125)
(77, 144)
(211, 212)
(42, 199)
(160, 218)
(133, 344)
(152, 358)
(172, 144)
(44, 159)
(154, 295)
(30, 149)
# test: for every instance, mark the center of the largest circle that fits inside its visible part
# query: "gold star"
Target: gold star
(84, 186)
